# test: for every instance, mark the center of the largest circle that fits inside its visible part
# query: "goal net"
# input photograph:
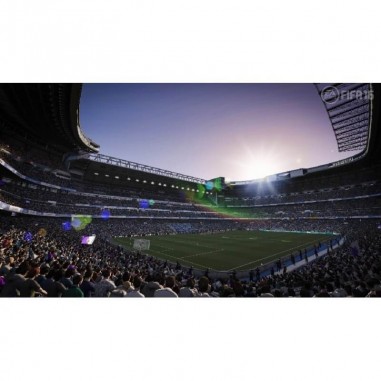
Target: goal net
(141, 244)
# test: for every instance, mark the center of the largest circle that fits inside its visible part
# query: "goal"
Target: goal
(141, 244)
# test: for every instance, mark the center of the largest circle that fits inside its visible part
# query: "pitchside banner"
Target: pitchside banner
(141, 244)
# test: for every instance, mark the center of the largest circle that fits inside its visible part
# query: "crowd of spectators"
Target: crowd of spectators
(38, 258)
(48, 200)
(338, 208)
(43, 166)
(342, 273)
(54, 173)
(26, 191)
(348, 191)
(338, 184)
(35, 165)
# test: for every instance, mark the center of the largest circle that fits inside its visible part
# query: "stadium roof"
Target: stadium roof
(48, 113)
(113, 171)
(370, 155)
(143, 168)
(349, 108)
(44, 113)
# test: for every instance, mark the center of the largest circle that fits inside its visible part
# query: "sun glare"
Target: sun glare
(258, 164)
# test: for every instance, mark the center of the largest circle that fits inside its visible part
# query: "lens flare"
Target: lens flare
(42, 232)
(105, 214)
(144, 204)
(218, 184)
(259, 163)
(28, 236)
(209, 185)
(201, 191)
(66, 226)
(79, 222)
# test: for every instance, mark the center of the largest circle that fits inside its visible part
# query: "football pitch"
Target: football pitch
(227, 251)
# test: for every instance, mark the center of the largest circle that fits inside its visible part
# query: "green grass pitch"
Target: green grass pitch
(228, 251)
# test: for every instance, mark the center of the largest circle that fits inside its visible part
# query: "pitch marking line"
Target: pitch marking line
(270, 256)
(192, 255)
(191, 243)
(165, 248)
(203, 253)
(185, 260)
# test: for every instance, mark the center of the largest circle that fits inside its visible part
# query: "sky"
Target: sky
(238, 131)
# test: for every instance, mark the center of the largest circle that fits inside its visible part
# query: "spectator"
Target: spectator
(204, 287)
(7, 267)
(13, 282)
(87, 286)
(29, 287)
(41, 277)
(167, 291)
(189, 290)
(66, 279)
(105, 286)
(265, 291)
(74, 291)
(151, 286)
(137, 282)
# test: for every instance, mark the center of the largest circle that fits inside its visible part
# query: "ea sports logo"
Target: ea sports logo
(330, 94)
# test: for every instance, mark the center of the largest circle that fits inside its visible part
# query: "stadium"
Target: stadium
(76, 222)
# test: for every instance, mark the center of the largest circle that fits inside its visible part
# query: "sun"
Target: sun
(259, 167)
(257, 164)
